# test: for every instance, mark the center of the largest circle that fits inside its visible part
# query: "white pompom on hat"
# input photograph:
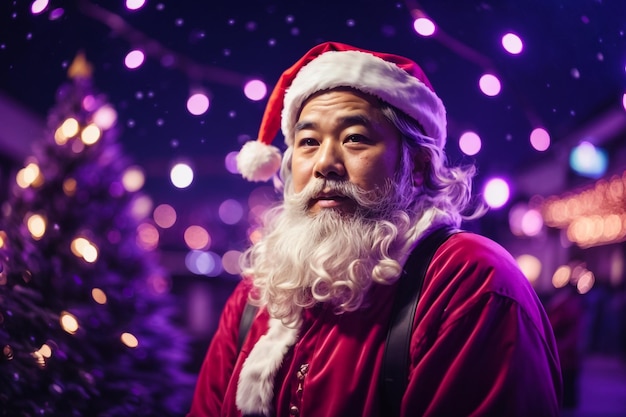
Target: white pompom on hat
(394, 79)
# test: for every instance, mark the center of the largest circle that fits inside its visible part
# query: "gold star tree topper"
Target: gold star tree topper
(80, 68)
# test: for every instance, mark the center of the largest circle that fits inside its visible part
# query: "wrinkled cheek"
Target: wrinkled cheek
(370, 176)
(300, 176)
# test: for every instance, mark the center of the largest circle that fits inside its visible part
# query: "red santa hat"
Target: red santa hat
(394, 79)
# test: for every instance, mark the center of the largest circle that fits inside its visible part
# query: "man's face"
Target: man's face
(342, 135)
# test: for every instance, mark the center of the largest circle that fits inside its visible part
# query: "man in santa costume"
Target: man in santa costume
(365, 181)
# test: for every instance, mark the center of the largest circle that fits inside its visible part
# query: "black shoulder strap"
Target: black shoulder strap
(247, 318)
(394, 375)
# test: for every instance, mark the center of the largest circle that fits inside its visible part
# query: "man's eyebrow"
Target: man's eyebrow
(357, 119)
(304, 126)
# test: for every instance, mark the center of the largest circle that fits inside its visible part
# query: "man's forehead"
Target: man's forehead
(373, 100)
(359, 108)
(359, 119)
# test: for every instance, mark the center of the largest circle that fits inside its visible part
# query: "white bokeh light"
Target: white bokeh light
(181, 175)
(496, 193)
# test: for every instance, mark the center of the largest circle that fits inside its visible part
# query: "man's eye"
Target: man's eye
(356, 138)
(307, 142)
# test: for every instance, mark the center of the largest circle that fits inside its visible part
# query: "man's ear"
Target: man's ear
(420, 164)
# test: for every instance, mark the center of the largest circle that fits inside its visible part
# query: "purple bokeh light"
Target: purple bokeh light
(540, 139)
(56, 14)
(38, 6)
(230, 211)
(424, 26)
(198, 104)
(134, 59)
(230, 162)
(470, 143)
(135, 4)
(512, 43)
(490, 85)
(255, 90)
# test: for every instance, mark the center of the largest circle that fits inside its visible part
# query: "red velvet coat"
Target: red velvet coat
(481, 346)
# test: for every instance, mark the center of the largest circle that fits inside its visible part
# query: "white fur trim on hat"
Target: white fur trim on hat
(369, 74)
(255, 388)
(257, 161)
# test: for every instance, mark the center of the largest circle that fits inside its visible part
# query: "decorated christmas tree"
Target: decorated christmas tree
(87, 323)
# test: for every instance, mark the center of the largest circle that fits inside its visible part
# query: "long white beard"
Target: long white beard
(329, 256)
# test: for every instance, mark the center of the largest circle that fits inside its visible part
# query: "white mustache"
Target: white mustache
(367, 201)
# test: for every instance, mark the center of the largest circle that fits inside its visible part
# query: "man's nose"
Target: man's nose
(329, 163)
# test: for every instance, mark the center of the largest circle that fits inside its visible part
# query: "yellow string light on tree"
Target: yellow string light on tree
(36, 224)
(41, 355)
(68, 129)
(99, 296)
(83, 248)
(30, 175)
(69, 187)
(90, 134)
(129, 340)
(133, 179)
(69, 323)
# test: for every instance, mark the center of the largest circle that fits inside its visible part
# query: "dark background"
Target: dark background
(571, 72)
